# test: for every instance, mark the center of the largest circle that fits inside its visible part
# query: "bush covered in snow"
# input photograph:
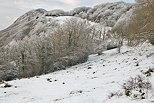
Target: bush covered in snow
(137, 87)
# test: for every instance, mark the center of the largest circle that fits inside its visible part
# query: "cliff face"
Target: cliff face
(41, 21)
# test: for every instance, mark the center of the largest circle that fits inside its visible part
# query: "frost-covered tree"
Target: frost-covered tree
(74, 34)
(56, 13)
(119, 31)
(79, 10)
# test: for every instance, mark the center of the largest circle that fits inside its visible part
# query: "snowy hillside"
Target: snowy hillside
(40, 21)
(90, 82)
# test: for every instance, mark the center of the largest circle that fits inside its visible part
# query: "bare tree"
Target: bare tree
(141, 27)
(77, 34)
(118, 34)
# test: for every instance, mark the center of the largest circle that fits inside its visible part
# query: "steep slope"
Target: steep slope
(90, 82)
(40, 21)
(21, 27)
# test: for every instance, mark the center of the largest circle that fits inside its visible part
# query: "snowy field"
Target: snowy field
(90, 82)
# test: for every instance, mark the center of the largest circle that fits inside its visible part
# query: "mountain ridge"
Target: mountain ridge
(107, 14)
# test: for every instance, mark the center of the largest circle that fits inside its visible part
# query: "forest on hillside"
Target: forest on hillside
(37, 43)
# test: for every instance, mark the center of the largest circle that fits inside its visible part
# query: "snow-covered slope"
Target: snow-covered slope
(90, 82)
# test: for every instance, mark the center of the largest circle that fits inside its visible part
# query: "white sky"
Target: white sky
(10, 10)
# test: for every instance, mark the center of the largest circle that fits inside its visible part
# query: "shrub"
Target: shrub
(137, 87)
(7, 85)
(148, 72)
(110, 46)
(118, 94)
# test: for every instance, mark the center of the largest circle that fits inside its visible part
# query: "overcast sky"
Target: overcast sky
(10, 10)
